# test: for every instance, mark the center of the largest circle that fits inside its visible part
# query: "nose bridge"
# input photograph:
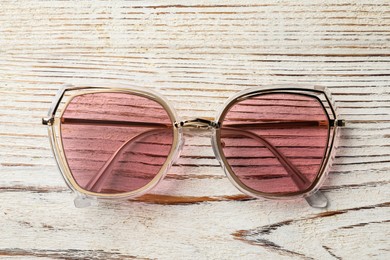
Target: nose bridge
(199, 123)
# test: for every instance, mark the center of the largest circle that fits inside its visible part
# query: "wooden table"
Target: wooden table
(197, 54)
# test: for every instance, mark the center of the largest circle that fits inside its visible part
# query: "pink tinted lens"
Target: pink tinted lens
(275, 143)
(115, 142)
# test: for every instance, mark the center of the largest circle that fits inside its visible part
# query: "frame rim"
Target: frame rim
(328, 153)
(56, 142)
(56, 137)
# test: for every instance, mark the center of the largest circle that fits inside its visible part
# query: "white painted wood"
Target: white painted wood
(197, 54)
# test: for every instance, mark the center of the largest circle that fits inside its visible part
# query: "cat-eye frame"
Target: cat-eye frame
(275, 142)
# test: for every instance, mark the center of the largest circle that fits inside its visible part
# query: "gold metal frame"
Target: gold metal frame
(312, 194)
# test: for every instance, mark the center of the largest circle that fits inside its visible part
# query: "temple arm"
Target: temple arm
(98, 180)
(316, 200)
(299, 179)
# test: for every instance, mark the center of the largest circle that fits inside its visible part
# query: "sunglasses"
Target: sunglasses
(119, 142)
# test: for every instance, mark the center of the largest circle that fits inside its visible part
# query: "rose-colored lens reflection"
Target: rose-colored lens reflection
(115, 142)
(275, 143)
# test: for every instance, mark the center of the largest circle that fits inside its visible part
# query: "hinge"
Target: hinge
(337, 122)
(47, 121)
(340, 122)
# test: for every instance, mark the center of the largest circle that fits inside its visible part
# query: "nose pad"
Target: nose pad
(214, 145)
(180, 148)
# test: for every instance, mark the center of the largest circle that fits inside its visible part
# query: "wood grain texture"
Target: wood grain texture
(197, 54)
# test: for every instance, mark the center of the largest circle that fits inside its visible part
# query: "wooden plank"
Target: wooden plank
(197, 54)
